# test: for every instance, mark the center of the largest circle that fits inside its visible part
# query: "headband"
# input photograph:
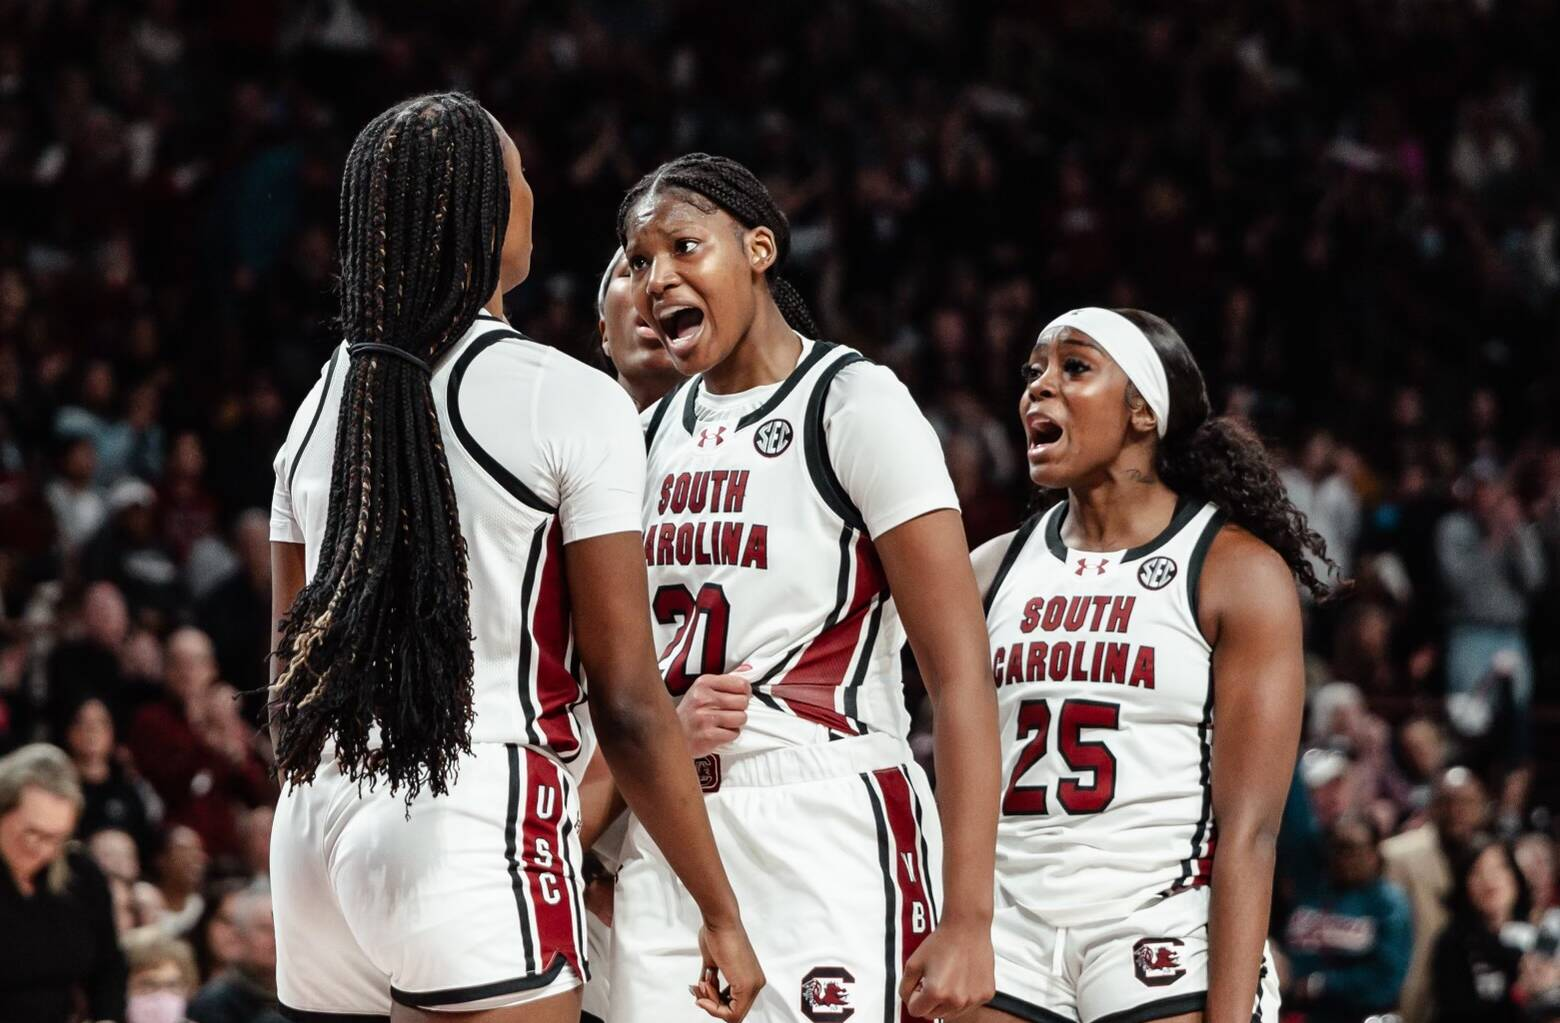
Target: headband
(1124, 342)
(400, 353)
(606, 279)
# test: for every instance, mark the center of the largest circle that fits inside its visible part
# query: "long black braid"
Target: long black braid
(718, 182)
(381, 636)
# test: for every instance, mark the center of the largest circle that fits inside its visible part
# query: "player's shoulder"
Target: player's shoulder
(987, 558)
(1238, 554)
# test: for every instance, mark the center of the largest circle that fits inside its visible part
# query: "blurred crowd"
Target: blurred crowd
(1348, 209)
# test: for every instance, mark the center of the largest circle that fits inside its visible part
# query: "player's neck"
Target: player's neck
(1126, 509)
(766, 354)
(495, 305)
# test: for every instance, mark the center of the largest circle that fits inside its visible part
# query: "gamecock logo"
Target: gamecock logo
(826, 993)
(772, 438)
(1157, 961)
(1156, 573)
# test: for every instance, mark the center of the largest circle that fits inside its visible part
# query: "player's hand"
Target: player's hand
(728, 958)
(952, 973)
(713, 711)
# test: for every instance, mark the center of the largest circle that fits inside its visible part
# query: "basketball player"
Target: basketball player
(633, 350)
(797, 508)
(1167, 562)
(470, 520)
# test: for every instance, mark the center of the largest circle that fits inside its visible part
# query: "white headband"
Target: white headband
(606, 279)
(1130, 347)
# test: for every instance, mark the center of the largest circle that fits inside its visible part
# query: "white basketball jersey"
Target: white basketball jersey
(1105, 703)
(527, 679)
(757, 557)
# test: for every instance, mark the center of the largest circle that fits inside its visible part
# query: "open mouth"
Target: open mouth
(1043, 432)
(681, 325)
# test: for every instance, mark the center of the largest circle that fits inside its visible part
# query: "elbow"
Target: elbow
(624, 725)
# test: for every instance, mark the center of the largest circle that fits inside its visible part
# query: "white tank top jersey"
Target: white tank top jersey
(1105, 705)
(543, 451)
(759, 517)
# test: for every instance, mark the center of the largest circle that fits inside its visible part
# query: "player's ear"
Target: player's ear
(606, 349)
(1140, 416)
(759, 243)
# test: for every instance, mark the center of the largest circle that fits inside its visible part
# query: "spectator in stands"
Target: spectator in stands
(112, 800)
(86, 663)
(78, 505)
(57, 937)
(130, 551)
(246, 992)
(1491, 564)
(162, 977)
(1349, 939)
(216, 938)
(1322, 492)
(180, 866)
(1420, 863)
(1535, 855)
(187, 749)
(1476, 968)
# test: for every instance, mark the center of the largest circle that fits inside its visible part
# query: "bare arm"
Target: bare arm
(643, 742)
(1251, 614)
(288, 568)
(600, 801)
(928, 566)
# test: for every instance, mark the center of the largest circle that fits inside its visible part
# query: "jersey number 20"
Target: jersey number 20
(676, 602)
(1079, 754)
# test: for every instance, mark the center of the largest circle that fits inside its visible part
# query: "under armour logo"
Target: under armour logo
(1083, 563)
(720, 436)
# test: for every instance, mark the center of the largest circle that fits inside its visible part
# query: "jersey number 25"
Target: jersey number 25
(1079, 754)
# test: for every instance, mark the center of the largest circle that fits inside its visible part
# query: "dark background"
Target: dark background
(1348, 209)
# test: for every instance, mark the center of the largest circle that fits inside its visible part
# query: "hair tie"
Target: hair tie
(400, 353)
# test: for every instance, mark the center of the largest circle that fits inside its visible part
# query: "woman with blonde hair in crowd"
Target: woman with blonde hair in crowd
(163, 978)
(57, 934)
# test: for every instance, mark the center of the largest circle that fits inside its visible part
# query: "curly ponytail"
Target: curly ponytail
(719, 182)
(1220, 460)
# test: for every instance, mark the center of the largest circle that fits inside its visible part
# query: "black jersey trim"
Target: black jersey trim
(819, 467)
(477, 992)
(853, 690)
(1010, 557)
(308, 434)
(1026, 1011)
(1164, 1008)
(890, 906)
(659, 415)
(1194, 565)
(690, 405)
(538, 541)
(511, 857)
(483, 314)
(306, 1016)
(577, 895)
(1186, 509)
(1205, 780)
(506, 479)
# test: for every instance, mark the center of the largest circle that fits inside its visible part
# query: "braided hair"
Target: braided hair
(381, 635)
(711, 183)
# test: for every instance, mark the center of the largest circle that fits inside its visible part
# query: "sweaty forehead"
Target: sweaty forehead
(1066, 337)
(672, 209)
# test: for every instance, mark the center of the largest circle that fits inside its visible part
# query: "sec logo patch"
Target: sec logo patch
(772, 438)
(1156, 573)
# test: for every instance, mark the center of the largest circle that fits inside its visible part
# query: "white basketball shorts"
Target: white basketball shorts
(471, 902)
(1149, 964)
(835, 855)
